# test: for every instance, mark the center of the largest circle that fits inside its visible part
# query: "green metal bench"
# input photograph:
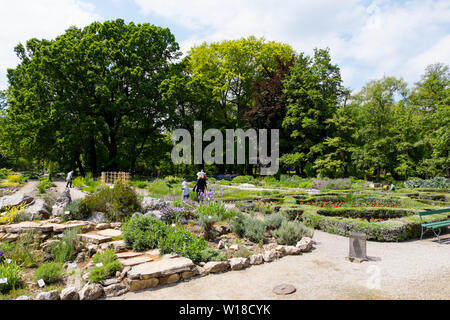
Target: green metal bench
(433, 226)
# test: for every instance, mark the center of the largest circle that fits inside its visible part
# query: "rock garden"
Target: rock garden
(119, 238)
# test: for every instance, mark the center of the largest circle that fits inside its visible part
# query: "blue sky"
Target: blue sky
(367, 39)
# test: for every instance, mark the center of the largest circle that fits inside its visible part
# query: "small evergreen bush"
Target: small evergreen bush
(50, 272)
(290, 232)
(209, 254)
(109, 266)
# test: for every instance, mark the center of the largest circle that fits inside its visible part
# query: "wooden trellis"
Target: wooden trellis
(113, 177)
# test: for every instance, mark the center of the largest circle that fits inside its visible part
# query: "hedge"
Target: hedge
(390, 230)
(366, 212)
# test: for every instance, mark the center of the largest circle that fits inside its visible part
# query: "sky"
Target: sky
(367, 39)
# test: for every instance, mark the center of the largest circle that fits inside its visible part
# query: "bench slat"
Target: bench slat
(437, 224)
(425, 213)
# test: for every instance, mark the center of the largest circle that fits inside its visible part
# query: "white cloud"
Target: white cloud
(21, 20)
(367, 38)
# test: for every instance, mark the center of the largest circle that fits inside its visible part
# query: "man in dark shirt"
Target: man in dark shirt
(200, 186)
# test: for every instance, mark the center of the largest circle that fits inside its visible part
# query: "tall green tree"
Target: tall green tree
(90, 98)
(431, 97)
(313, 91)
(375, 133)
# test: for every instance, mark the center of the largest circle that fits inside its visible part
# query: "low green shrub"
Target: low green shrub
(64, 250)
(435, 183)
(213, 208)
(376, 213)
(117, 203)
(4, 172)
(143, 232)
(78, 211)
(392, 230)
(109, 266)
(147, 232)
(274, 221)
(290, 232)
(78, 182)
(209, 254)
(243, 253)
(182, 242)
(242, 179)
(249, 227)
(44, 184)
(10, 271)
(207, 223)
(25, 251)
(50, 272)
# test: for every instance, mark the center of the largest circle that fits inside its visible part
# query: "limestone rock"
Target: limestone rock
(269, 255)
(38, 210)
(81, 257)
(103, 226)
(187, 274)
(109, 282)
(222, 244)
(238, 263)
(97, 217)
(136, 285)
(14, 200)
(169, 279)
(91, 292)
(24, 298)
(291, 250)
(48, 295)
(70, 293)
(118, 246)
(115, 290)
(256, 259)
(305, 244)
(63, 200)
(162, 267)
(216, 266)
(200, 271)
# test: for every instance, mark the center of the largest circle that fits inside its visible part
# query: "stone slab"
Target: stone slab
(161, 268)
(26, 226)
(118, 246)
(94, 238)
(127, 255)
(135, 261)
(109, 233)
(59, 228)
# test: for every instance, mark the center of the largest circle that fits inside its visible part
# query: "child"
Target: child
(186, 190)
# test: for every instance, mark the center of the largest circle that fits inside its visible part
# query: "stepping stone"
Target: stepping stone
(109, 233)
(154, 252)
(161, 268)
(63, 227)
(118, 245)
(135, 261)
(25, 226)
(127, 255)
(94, 238)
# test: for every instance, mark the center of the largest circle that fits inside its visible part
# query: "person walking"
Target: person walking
(69, 180)
(200, 186)
(185, 189)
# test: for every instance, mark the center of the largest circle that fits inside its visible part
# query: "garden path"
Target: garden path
(30, 188)
(408, 270)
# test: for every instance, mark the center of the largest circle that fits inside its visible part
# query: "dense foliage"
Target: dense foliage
(108, 95)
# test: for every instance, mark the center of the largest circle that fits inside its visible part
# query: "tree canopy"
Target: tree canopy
(106, 97)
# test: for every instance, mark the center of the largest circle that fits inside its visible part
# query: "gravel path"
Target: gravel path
(29, 188)
(408, 270)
